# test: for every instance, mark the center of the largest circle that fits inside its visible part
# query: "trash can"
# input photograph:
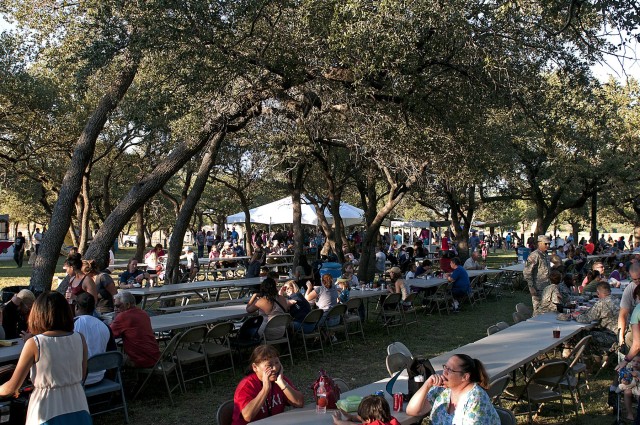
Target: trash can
(523, 254)
(334, 269)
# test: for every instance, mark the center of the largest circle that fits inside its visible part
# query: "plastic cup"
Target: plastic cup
(556, 333)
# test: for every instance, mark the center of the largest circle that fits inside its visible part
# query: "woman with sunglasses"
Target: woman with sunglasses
(457, 396)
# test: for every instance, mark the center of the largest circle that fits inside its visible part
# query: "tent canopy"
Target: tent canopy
(281, 212)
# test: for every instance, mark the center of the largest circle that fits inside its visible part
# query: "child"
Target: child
(629, 384)
(343, 285)
(373, 410)
(485, 251)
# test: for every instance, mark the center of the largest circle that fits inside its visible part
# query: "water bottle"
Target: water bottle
(321, 399)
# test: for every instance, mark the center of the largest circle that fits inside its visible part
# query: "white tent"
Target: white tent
(281, 212)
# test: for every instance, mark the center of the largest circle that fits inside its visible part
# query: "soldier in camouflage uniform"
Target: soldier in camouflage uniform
(605, 311)
(536, 271)
(552, 296)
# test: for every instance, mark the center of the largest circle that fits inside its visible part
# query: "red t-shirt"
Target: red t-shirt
(248, 389)
(134, 327)
(445, 265)
(589, 248)
(393, 421)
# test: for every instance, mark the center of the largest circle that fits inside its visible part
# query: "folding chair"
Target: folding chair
(276, 323)
(571, 382)
(353, 316)
(190, 351)
(164, 366)
(409, 307)
(390, 311)
(506, 416)
(524, 310)
(494, 286)
(312, 318)
(111, 360)
(216, 344)
(398, 347)
(396, 362)
(342, 385)
(224, 415)
(534, 392)
(517, 317)
(492, 330)
(441, 298)
(247, 336)
(502, 325)
(496, 388)
(337, 311)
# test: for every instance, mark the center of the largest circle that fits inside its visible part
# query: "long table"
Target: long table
(11, 353)
(515, 268)
(308, 416)
(507, 350)
(189, 319)
(193, 287)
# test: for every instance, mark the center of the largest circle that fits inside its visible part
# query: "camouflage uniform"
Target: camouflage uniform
(549, 300)
(536, 273)
(605, 311)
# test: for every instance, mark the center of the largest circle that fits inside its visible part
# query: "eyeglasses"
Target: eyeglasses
(447, 369)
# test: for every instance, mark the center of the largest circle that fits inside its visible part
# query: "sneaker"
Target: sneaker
(334, 339)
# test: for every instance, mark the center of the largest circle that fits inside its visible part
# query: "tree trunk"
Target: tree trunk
(594, 218)
(295, 178)
(45, 265)
(338, 228)
(72, 233)
(140, 239)
(172, 274)
(85, 214)
(575, 228)
(152, 183)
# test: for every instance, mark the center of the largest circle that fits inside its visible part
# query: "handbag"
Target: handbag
(333, 391)
(418, 367)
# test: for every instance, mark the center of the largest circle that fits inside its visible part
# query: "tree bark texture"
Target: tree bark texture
(172, 274)
(152, 183)
(45, 265)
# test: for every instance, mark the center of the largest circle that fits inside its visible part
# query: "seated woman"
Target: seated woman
(132, 276)
(269, 304)
(299, 307)
(398, 284)
(457, 396)
(105, 287)
(265, 391)
(325, 297)
(619, 273)
(552, 299)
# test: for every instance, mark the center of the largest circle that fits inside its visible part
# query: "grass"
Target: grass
(360, 365)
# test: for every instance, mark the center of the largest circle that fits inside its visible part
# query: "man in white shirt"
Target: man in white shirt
(472, 262)
(380, 260)
(95, 332)
(37, 239)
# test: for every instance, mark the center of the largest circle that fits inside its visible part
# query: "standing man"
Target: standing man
(36, 240)
(536, 271)
(200, 242)
(508, 241)
(18, 249)
(531, 242)
(474, 241)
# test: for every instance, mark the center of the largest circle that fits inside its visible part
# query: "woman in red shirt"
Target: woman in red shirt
(265, 391)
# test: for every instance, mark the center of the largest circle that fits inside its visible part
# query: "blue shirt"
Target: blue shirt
(460, 279)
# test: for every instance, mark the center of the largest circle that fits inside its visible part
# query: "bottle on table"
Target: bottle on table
(321, 399)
